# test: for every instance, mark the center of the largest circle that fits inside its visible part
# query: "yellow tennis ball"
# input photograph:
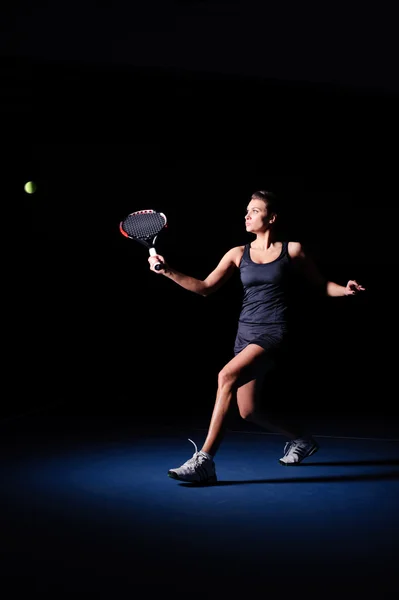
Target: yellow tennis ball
(30, 187)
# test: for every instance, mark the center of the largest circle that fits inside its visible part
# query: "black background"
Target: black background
(84, 318)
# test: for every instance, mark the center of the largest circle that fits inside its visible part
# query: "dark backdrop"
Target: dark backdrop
(84, 318)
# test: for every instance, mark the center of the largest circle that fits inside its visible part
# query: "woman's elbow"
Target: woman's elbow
(205, 290)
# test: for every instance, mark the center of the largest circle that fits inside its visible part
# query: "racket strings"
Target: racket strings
(143, 226)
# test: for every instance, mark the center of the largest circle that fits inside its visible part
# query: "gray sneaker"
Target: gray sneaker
(296, 450)
(198, 469)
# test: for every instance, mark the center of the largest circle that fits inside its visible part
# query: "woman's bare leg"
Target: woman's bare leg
(227, 380)
(248, 402)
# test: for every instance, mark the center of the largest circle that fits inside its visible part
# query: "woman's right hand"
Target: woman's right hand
(153, 260)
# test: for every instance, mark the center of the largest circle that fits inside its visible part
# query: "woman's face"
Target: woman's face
(257, 218)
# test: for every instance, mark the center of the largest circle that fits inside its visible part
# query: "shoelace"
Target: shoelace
(197, 457)
(298, 445)
(195, 445)
(292, 445)
(288, 447)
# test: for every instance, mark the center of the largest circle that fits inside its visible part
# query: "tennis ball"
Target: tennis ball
(30, 187)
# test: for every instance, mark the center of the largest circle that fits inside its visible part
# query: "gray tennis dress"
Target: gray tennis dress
(264, 312)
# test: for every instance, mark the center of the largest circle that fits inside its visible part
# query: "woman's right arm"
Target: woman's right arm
(213, 282)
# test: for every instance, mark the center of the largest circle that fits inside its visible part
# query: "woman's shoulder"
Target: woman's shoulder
(236, 254)
(294, 249)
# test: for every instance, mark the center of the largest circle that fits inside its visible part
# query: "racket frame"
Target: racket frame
(148, 242)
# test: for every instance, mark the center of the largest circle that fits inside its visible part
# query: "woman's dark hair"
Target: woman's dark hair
(269, 198)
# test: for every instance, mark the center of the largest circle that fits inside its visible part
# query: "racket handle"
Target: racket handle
(159, 265)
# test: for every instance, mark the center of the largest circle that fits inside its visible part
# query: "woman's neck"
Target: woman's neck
(264, 240)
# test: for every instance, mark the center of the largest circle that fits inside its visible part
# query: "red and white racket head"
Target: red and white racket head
(143, 225)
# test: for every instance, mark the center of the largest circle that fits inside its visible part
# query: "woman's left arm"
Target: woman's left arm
(308, 267)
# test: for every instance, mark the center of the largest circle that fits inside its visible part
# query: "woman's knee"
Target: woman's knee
(227, 378)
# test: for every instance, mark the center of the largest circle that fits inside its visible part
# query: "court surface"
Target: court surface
(88, 509)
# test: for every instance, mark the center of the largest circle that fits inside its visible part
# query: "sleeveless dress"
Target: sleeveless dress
(263, 318)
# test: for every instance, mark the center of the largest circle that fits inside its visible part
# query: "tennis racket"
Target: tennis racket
(144, 226)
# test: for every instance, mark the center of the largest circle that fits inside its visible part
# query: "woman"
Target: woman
(265, 266)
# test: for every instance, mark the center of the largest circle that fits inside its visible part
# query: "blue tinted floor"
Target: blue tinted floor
(87, 507)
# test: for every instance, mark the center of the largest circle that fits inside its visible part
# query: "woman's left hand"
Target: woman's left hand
(353, 287)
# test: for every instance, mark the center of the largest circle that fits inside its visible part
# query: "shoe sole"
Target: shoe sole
(313, 450)
(208, 481)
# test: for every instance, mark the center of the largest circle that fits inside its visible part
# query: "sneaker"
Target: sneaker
(198, 469)
(296, 450)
